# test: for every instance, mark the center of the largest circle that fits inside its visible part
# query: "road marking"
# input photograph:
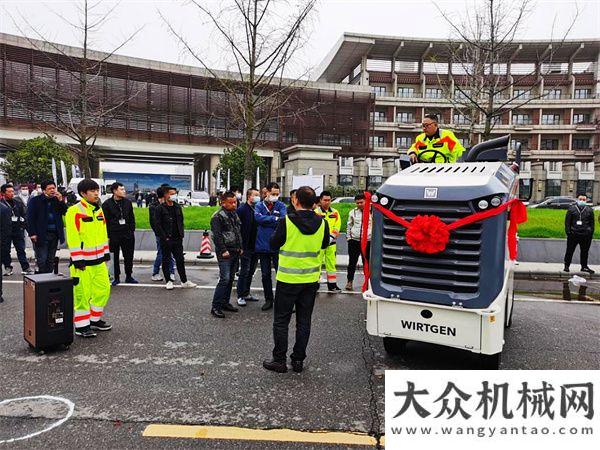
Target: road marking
(58, 423)
(249, 434)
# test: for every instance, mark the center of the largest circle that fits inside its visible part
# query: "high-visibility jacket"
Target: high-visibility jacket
(333, 218)
(86, 234)
(447, 144)
(300, 255)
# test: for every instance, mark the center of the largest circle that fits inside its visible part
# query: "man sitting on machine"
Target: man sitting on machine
(434, 144)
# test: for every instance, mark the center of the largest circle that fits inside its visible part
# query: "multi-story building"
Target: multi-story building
(557, 121)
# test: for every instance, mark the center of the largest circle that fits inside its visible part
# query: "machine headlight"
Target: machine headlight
(384, 201)
(374, 198)
(483, 204)
(496, 201)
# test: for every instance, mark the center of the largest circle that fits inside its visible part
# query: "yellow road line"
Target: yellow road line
(249, 434)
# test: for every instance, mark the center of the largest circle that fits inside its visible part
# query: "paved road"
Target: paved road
(167, 361)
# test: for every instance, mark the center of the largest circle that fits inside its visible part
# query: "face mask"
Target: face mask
(273, 198)
(238, 196)
(581, 202)
(256, 199)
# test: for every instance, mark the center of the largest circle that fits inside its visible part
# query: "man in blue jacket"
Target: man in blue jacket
(268, 213)
(248, 260)
(45, 225)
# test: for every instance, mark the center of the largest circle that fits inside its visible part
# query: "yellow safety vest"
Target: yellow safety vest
(300, 256)
(87, 238)
(333, 218)
(447, 144)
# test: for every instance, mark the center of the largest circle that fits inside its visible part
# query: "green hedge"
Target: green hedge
(541, 223)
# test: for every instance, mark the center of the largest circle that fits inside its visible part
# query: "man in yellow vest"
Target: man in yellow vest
(299, 237)
(88, 247)
(435, 144)
(334, 220)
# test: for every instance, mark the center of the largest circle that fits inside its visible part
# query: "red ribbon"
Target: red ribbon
(421, 241)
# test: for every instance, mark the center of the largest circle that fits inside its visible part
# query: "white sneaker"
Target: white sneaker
(8, 271)
(169, 285)
(187, 285)
(241, 302)
(157, 277)
(29, 271)
(322, 280)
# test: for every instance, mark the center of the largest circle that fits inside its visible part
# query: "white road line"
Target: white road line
(58, 423)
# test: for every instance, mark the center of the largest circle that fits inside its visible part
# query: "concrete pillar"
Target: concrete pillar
(539, 181)
(364, 75)
(569, 179)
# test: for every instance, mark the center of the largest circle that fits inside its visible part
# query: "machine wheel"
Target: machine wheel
(508, 321)
(394, 346)
(489, 362)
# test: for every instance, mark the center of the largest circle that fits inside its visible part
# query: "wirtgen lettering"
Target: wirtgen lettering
(428, 328)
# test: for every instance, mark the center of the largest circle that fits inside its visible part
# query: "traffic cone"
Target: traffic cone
(205, 248)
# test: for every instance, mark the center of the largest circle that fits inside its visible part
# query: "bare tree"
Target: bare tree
(76, 101)
(484, 89)
(259, 39)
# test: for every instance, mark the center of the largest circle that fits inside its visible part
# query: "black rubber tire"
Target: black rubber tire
(394, 346)
(490, 362)
(508, 321)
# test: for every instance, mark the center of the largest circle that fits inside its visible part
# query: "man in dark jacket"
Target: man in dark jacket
(579, 227)
(120, 224)
(16, 234)
(5, 233)
(299, 239)
(227, 236)
(168, 223)
(248, 260)
(45, 225)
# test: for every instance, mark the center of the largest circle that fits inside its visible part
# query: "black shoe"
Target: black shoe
(100, 325)
(230, 307)
(275, 366)
(1, 299)
(217, 313)
(267, 306)
(85, 332)
(251, 298)
(297, 366)
(588, 270)
(131, 280)
(566, 269)
(333, 287)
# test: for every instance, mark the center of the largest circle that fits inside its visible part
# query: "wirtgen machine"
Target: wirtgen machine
(442, 253)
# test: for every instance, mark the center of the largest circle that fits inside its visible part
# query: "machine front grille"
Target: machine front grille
(455, 270)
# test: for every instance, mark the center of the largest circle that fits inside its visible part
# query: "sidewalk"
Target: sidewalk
(523, 270)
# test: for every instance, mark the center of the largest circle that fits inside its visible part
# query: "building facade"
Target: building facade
(555, 86)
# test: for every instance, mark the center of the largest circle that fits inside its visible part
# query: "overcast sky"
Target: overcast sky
(548, 19)
(332, 18)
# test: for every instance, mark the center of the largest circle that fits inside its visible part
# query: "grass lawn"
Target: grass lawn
(541, 223)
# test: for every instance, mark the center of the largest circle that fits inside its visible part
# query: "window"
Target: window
(525, 166)
(405, 117)
(465, 142)
(552, 188)
(552, 93)
(406, 92)
(461, 119)
(433, 93)
(378, 90)
(524, 188)
(521, 119)
(522, 94)
(585, 187)
(377, 141)
(581, 118)
(378, 116)
(554, 166)
(581, 143)
(524, 143)
(551, 119)
(587, 167)
(549, 144)
(290, 137)
(375, 162)
(346, 161)
(403, 142)
(462, 95)
(583, 93)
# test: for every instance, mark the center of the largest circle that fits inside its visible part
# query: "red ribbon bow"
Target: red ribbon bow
(428, 234)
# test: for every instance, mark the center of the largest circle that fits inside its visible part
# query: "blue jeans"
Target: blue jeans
(45, 252)
(158, 260)
(18, 239)
(248, 262)
(268, 260)
(227, 269)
